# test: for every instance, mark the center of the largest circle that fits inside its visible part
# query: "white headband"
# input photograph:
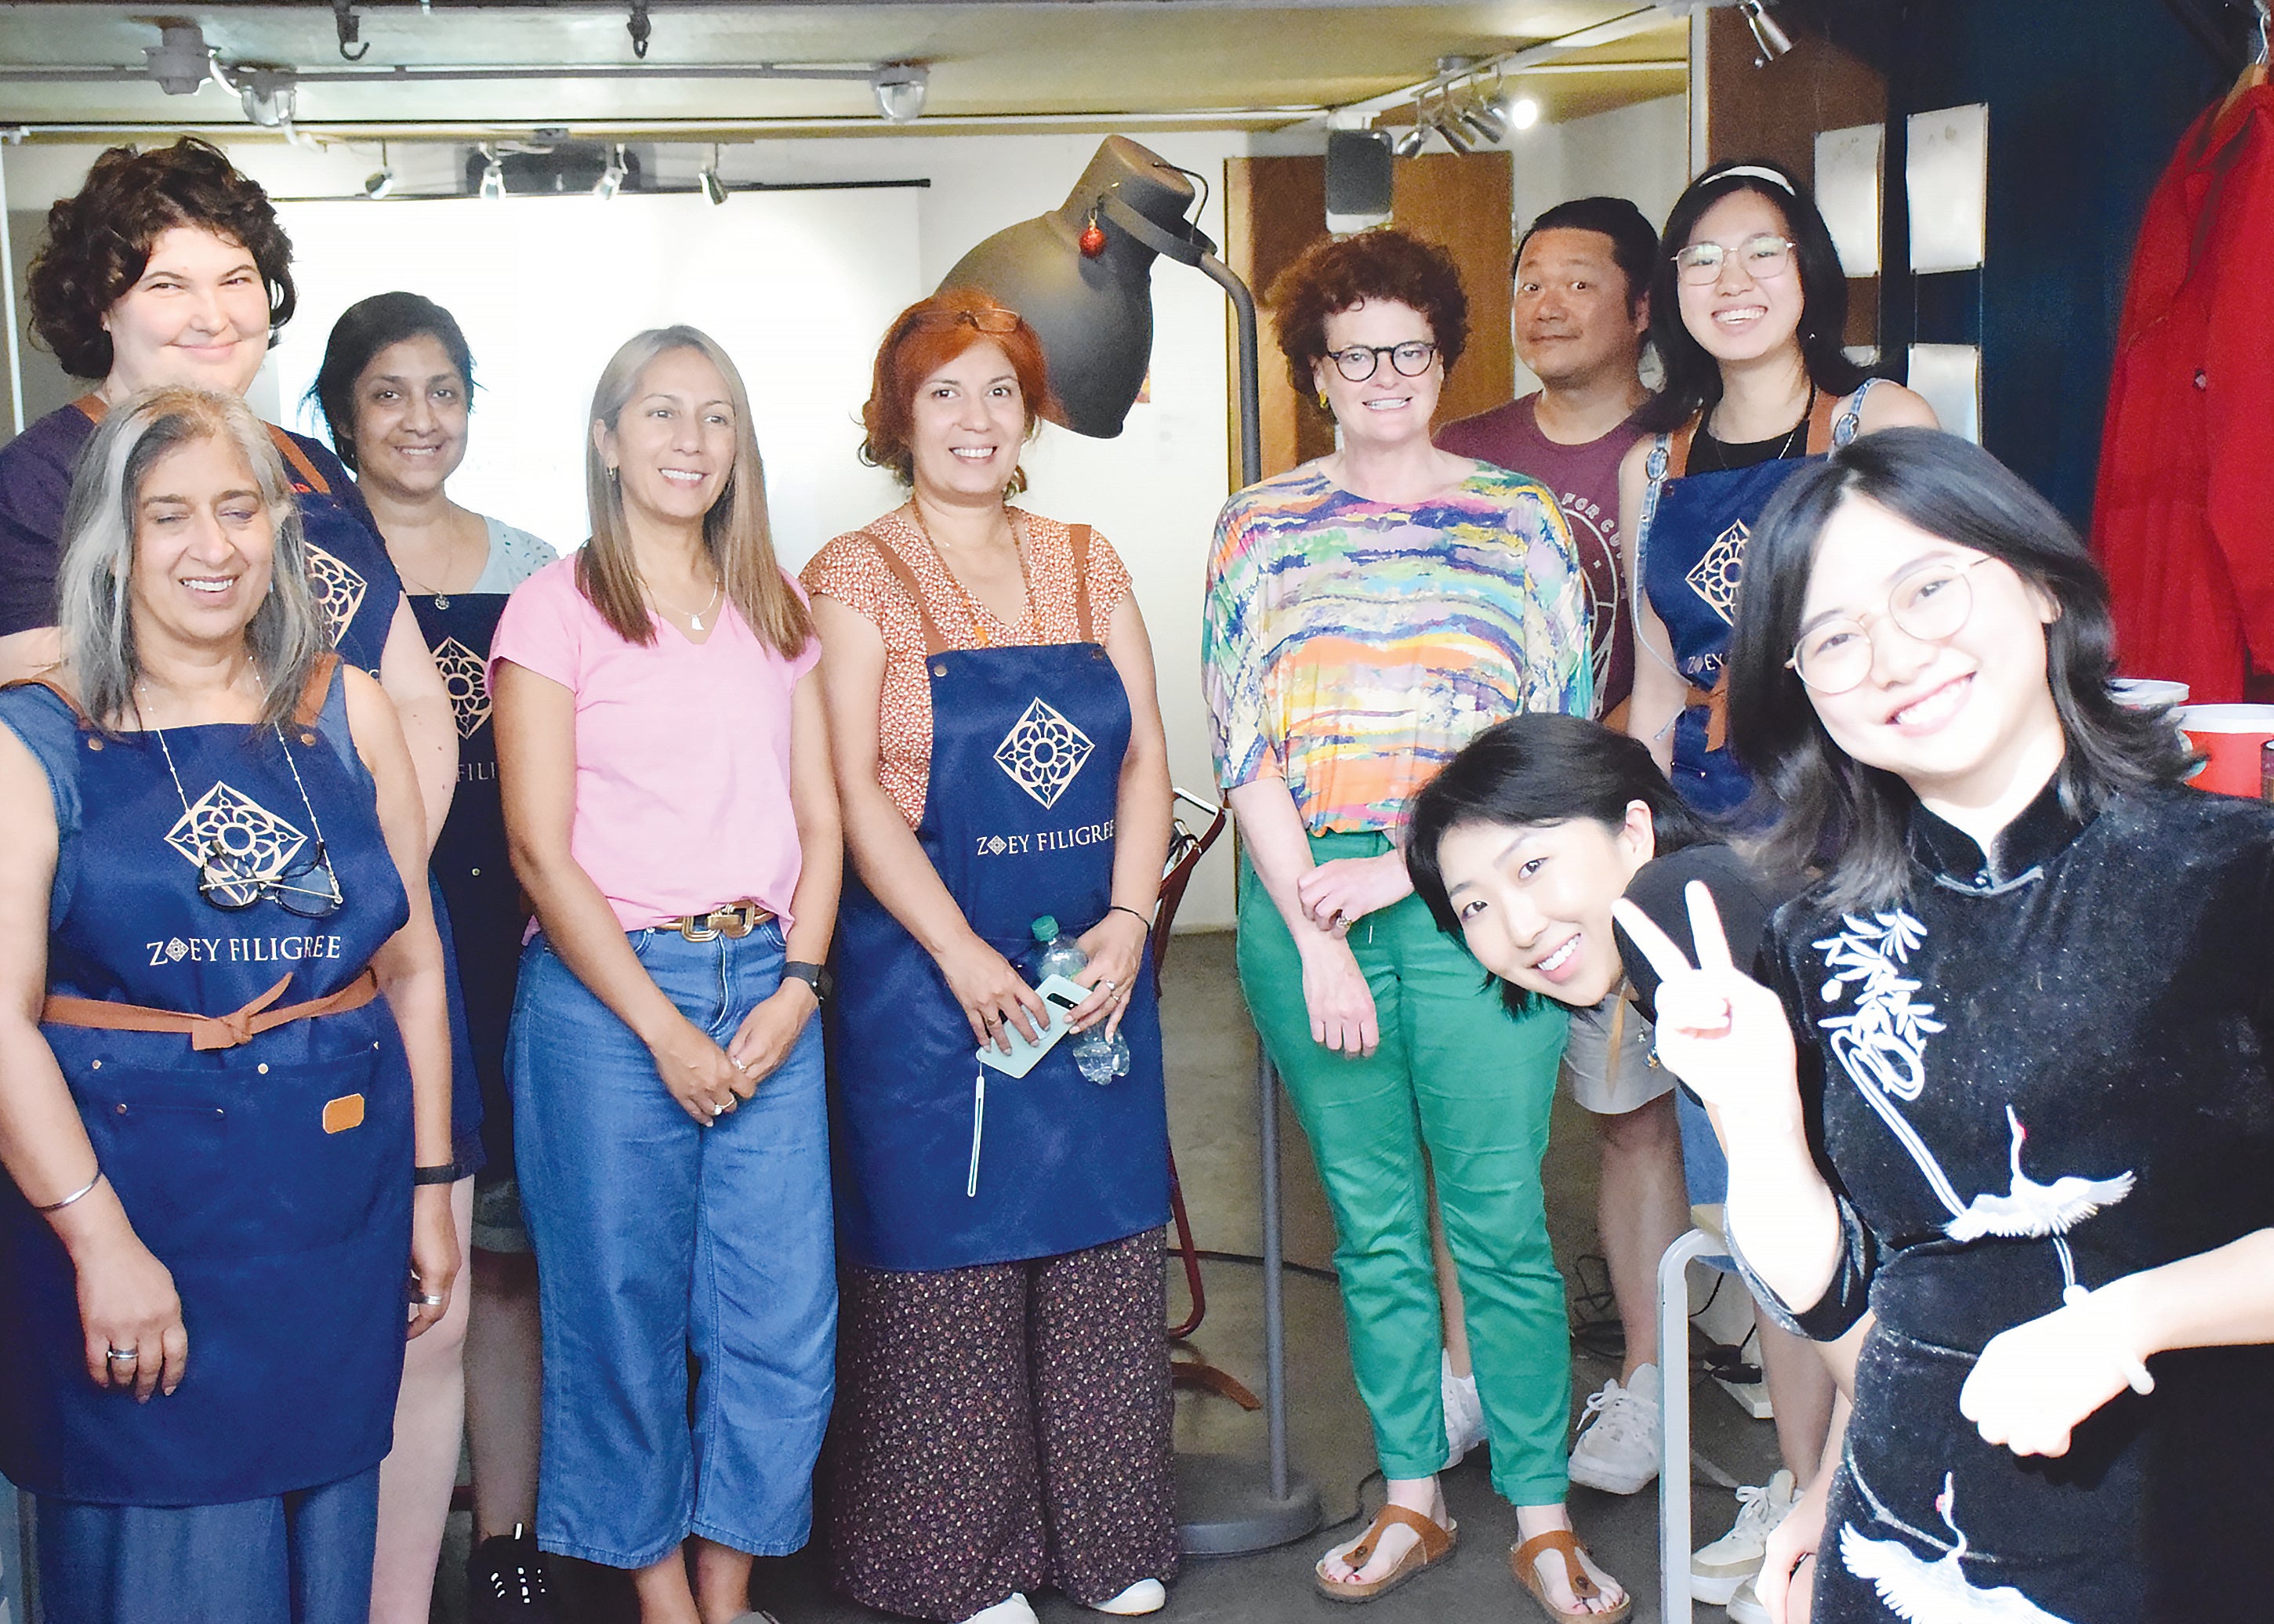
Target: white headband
(1756, 172)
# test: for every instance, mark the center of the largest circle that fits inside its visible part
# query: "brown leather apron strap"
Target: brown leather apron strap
(92, 407)
(1677, 453)
(935, 642)
(1820, 419)
(1716, 701)
(211, 1032)
(1078, 539)
(311, 708)
(299, 461)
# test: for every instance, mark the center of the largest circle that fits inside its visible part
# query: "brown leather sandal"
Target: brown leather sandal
(1583, 1588)
(1435, 1544)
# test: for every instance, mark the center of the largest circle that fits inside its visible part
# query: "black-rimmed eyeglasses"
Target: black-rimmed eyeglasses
(308, 887)
(1360, 362)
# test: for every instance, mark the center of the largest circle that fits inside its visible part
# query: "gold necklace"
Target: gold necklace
(980, 635)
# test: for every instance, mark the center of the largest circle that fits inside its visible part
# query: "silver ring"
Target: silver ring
(123, 1353)
(433, 1302)
(737, 1064)
(729, 1106)
(1109, 984)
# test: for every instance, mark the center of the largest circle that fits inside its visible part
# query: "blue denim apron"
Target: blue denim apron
(1019, 821)
(1691, 542)
(271, 1176)
(481, 899)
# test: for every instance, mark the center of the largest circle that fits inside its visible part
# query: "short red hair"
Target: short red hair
(926, 337)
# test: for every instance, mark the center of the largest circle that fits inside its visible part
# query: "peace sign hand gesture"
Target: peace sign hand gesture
(1719, 1030)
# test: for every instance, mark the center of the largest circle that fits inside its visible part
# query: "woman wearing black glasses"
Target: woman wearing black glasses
(1748, 312)
(216, 866)
(1368, 614)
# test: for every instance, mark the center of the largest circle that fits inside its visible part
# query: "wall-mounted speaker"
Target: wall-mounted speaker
(1358, 179)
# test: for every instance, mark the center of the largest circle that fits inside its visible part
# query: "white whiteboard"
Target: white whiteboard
(798, 286)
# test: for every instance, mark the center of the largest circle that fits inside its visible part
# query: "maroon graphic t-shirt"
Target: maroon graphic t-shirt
(1586, 480)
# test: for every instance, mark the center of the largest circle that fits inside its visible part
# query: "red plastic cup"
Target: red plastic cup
(2230, 736)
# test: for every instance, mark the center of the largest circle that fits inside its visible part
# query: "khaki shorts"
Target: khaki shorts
(1607, 1063)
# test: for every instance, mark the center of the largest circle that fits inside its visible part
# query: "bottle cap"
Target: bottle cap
(1046, 928)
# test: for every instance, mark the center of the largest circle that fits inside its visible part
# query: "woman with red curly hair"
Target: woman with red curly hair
(1002, 1410)
(1368, 614)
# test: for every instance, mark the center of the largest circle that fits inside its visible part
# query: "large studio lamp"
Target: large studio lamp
(1082, 276)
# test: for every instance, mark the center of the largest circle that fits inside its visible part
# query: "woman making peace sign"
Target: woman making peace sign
(2006, 1088)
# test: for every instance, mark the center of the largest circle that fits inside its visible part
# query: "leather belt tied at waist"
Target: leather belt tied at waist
(1716, 701)
(209, 1031)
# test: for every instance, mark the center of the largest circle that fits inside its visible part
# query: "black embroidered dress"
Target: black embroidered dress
(2048, 1066)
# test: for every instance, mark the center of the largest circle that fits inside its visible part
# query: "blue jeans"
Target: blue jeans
(657, 1239)
(302, 1557)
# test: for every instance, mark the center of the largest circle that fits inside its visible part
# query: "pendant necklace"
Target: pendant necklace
(1784, 449)
(441, 598)
(694, 621)
(980, 635)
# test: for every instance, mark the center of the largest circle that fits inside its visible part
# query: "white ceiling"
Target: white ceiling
(1080, 64)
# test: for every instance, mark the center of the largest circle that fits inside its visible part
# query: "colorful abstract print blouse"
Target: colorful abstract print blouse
(1352, 647)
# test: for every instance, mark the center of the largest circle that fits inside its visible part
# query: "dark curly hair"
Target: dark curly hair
(98, 241)
(1331, 277)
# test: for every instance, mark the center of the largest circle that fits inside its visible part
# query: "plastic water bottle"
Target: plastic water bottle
(1096, 1056)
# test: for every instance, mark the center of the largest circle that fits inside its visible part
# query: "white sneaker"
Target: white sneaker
(1012, 1609)
(1145, 1595)
(1745, 1606)
(1618, 1447)
(1465, 1411)
(1717, 1569)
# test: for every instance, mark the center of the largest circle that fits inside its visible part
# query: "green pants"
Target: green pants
(1457, 1075)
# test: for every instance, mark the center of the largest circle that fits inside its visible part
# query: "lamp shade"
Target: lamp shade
(1094, 315)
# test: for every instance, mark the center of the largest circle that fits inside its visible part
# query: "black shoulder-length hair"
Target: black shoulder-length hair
(1693, 376)
(1832, 811)
(363, 329)
(1541, 767)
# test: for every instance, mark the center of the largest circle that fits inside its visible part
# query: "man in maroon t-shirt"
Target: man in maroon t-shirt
(1582, 273)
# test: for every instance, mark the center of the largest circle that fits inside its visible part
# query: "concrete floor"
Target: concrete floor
(1214, 1127)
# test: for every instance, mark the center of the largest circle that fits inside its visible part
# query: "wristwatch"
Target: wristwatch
(812, 974)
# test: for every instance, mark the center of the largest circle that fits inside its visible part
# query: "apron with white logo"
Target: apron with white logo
(271, 1177)
(1019, 821)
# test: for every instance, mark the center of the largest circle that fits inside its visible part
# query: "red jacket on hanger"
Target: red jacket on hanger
(2183, 520)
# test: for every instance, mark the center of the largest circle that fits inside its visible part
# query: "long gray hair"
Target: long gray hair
(94, 607)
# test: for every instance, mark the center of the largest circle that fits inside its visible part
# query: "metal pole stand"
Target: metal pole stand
(1228, 1505)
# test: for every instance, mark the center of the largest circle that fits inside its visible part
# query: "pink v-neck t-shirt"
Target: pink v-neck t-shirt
(683, 752)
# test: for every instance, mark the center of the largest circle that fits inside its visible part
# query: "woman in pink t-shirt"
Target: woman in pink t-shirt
(670, 809)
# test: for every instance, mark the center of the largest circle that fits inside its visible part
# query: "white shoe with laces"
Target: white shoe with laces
(1717, 1569)
(1465, 1411)
(1618, 1447)
(1745, 1606)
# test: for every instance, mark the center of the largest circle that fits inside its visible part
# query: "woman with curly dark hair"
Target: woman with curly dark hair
(1368, 614)
(170, 267)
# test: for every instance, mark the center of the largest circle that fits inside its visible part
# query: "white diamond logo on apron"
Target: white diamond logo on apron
(1042, 752)
(339, 590)
(253, 841)
(461, 680)
(1714, 577)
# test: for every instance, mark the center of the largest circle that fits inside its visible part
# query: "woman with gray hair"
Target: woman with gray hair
(208, 1118)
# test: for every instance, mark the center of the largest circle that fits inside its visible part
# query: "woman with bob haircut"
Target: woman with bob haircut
(208, 1115)
(2004, 1097)
(1004, 1407)
(1520, 847)
(395, 387)
(1366, 615)
(1749, 312)
(668, 806)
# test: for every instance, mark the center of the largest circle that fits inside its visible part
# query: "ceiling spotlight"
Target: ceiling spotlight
(268, 96)
(1411, 139)
(380, 181)
(1485, 120)
(492, 177)
(1773, 41)
(611, 178)
(1523, 113)
(900, 89)
(713, 188)
(1455, 138)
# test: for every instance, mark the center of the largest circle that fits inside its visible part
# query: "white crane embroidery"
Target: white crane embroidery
(2031, 1208)
(1935, 1592)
